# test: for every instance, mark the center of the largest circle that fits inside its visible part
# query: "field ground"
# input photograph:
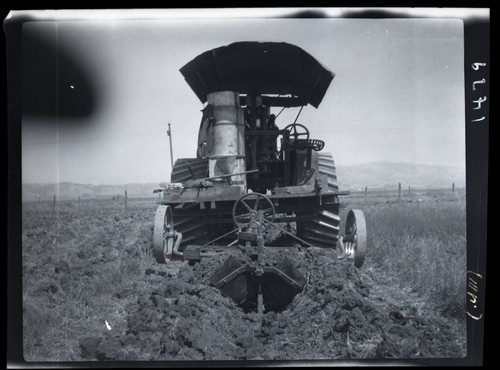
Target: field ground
(91, 289)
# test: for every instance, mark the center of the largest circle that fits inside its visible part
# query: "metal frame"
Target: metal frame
(283, 203)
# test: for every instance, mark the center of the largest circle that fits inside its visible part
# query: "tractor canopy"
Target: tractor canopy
(273, 68)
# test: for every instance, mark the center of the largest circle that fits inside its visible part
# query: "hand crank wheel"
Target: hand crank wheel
(246, 210)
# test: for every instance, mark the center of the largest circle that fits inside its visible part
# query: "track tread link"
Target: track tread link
(193, 228)
(322, 227)
(189, 169)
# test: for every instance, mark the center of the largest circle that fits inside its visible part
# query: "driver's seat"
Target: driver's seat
(301, 144)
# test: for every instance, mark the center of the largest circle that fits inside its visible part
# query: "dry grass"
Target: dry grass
(421, 246)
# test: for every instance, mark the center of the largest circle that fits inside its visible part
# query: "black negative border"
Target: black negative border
(477, 49)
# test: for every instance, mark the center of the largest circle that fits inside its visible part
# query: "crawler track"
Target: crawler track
(193, 228)
(322, 227)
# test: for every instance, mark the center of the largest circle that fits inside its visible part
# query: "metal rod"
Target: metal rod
(253, 126)
(166, 184)
(264, 133)
(220, 237)
(229, 175)
(169, 133)
(286, 232)
(232, 243)
(280, 112)
(298, 114)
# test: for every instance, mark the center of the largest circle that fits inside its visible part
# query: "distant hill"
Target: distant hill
(377, 175)
(387, 175)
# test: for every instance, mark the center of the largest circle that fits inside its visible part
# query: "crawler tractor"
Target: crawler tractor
(250, 176)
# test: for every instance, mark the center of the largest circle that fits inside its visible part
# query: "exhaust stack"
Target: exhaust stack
(227, 143)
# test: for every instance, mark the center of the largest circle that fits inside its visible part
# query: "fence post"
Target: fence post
(409, 189)
(54, 203)
(453, 187)
(125, 199)
(399, 190)
(366, 191)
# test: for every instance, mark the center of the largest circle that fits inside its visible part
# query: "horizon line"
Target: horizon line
(158, 182)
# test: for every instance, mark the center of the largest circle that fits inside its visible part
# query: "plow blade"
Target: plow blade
(240, 282)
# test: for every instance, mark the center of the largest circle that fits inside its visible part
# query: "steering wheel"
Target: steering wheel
(296, 131)
(246, 209)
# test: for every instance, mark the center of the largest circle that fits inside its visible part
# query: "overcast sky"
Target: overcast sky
(397, 95)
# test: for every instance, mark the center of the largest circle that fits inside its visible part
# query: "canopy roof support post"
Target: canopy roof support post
(253, 125)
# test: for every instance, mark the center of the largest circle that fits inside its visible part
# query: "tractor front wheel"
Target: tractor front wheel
(163, 234)
(354, 241)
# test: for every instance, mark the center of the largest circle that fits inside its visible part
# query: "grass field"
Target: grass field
(83, 264)
(420, 243)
